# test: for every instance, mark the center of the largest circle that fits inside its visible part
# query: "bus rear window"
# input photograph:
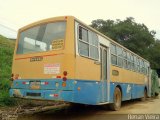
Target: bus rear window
(40, 38)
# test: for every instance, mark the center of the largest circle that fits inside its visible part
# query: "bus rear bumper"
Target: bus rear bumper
(76, 91)
(42, 94)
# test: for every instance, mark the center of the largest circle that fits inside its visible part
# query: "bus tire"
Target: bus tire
(117, 100)
(145, 95)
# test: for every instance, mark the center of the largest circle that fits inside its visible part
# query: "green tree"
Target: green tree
(132, 35)
(154, 55)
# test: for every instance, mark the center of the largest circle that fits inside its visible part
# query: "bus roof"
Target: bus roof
(72, 17)
(47, 20)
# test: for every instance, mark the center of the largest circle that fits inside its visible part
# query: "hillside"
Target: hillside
(6, 56)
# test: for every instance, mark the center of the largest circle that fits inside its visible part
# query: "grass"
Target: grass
(6, 56)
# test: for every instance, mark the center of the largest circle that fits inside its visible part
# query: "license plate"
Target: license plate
(35, 85)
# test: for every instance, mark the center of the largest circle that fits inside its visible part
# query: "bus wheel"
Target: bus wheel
(145, 95)
(117, 99)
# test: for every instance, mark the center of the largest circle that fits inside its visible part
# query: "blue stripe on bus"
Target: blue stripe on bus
(77, 91)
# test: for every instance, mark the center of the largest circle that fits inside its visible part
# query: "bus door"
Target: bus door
(104, 73)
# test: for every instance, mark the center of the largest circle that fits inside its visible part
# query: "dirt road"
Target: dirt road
(128, 110)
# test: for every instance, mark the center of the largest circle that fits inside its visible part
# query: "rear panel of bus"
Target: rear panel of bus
(45, 70)
(62, 73)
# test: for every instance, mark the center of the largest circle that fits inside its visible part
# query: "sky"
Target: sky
(18, 13)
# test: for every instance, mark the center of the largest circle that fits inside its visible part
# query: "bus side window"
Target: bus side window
(125, 59)
(146, 69)
(135, 63)
(132, 62)
(128, 61)
(113, 54)
(88, 43)
(120, 56)
(83, 45)
(141, 70)
(83, 34)
(138, 65)
(80, 32)
(93, 45)
(143, 67)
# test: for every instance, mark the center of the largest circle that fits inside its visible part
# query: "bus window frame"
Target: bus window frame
(136, 60)
(34, 25)
(88, 57)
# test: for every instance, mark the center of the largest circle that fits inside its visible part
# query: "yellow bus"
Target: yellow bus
(63, 59)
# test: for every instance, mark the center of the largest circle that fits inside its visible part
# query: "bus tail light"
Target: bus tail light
(25, 83)
(65, 73)
(44, 83)
(64, 78)
(53, 95)
(56, 95)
